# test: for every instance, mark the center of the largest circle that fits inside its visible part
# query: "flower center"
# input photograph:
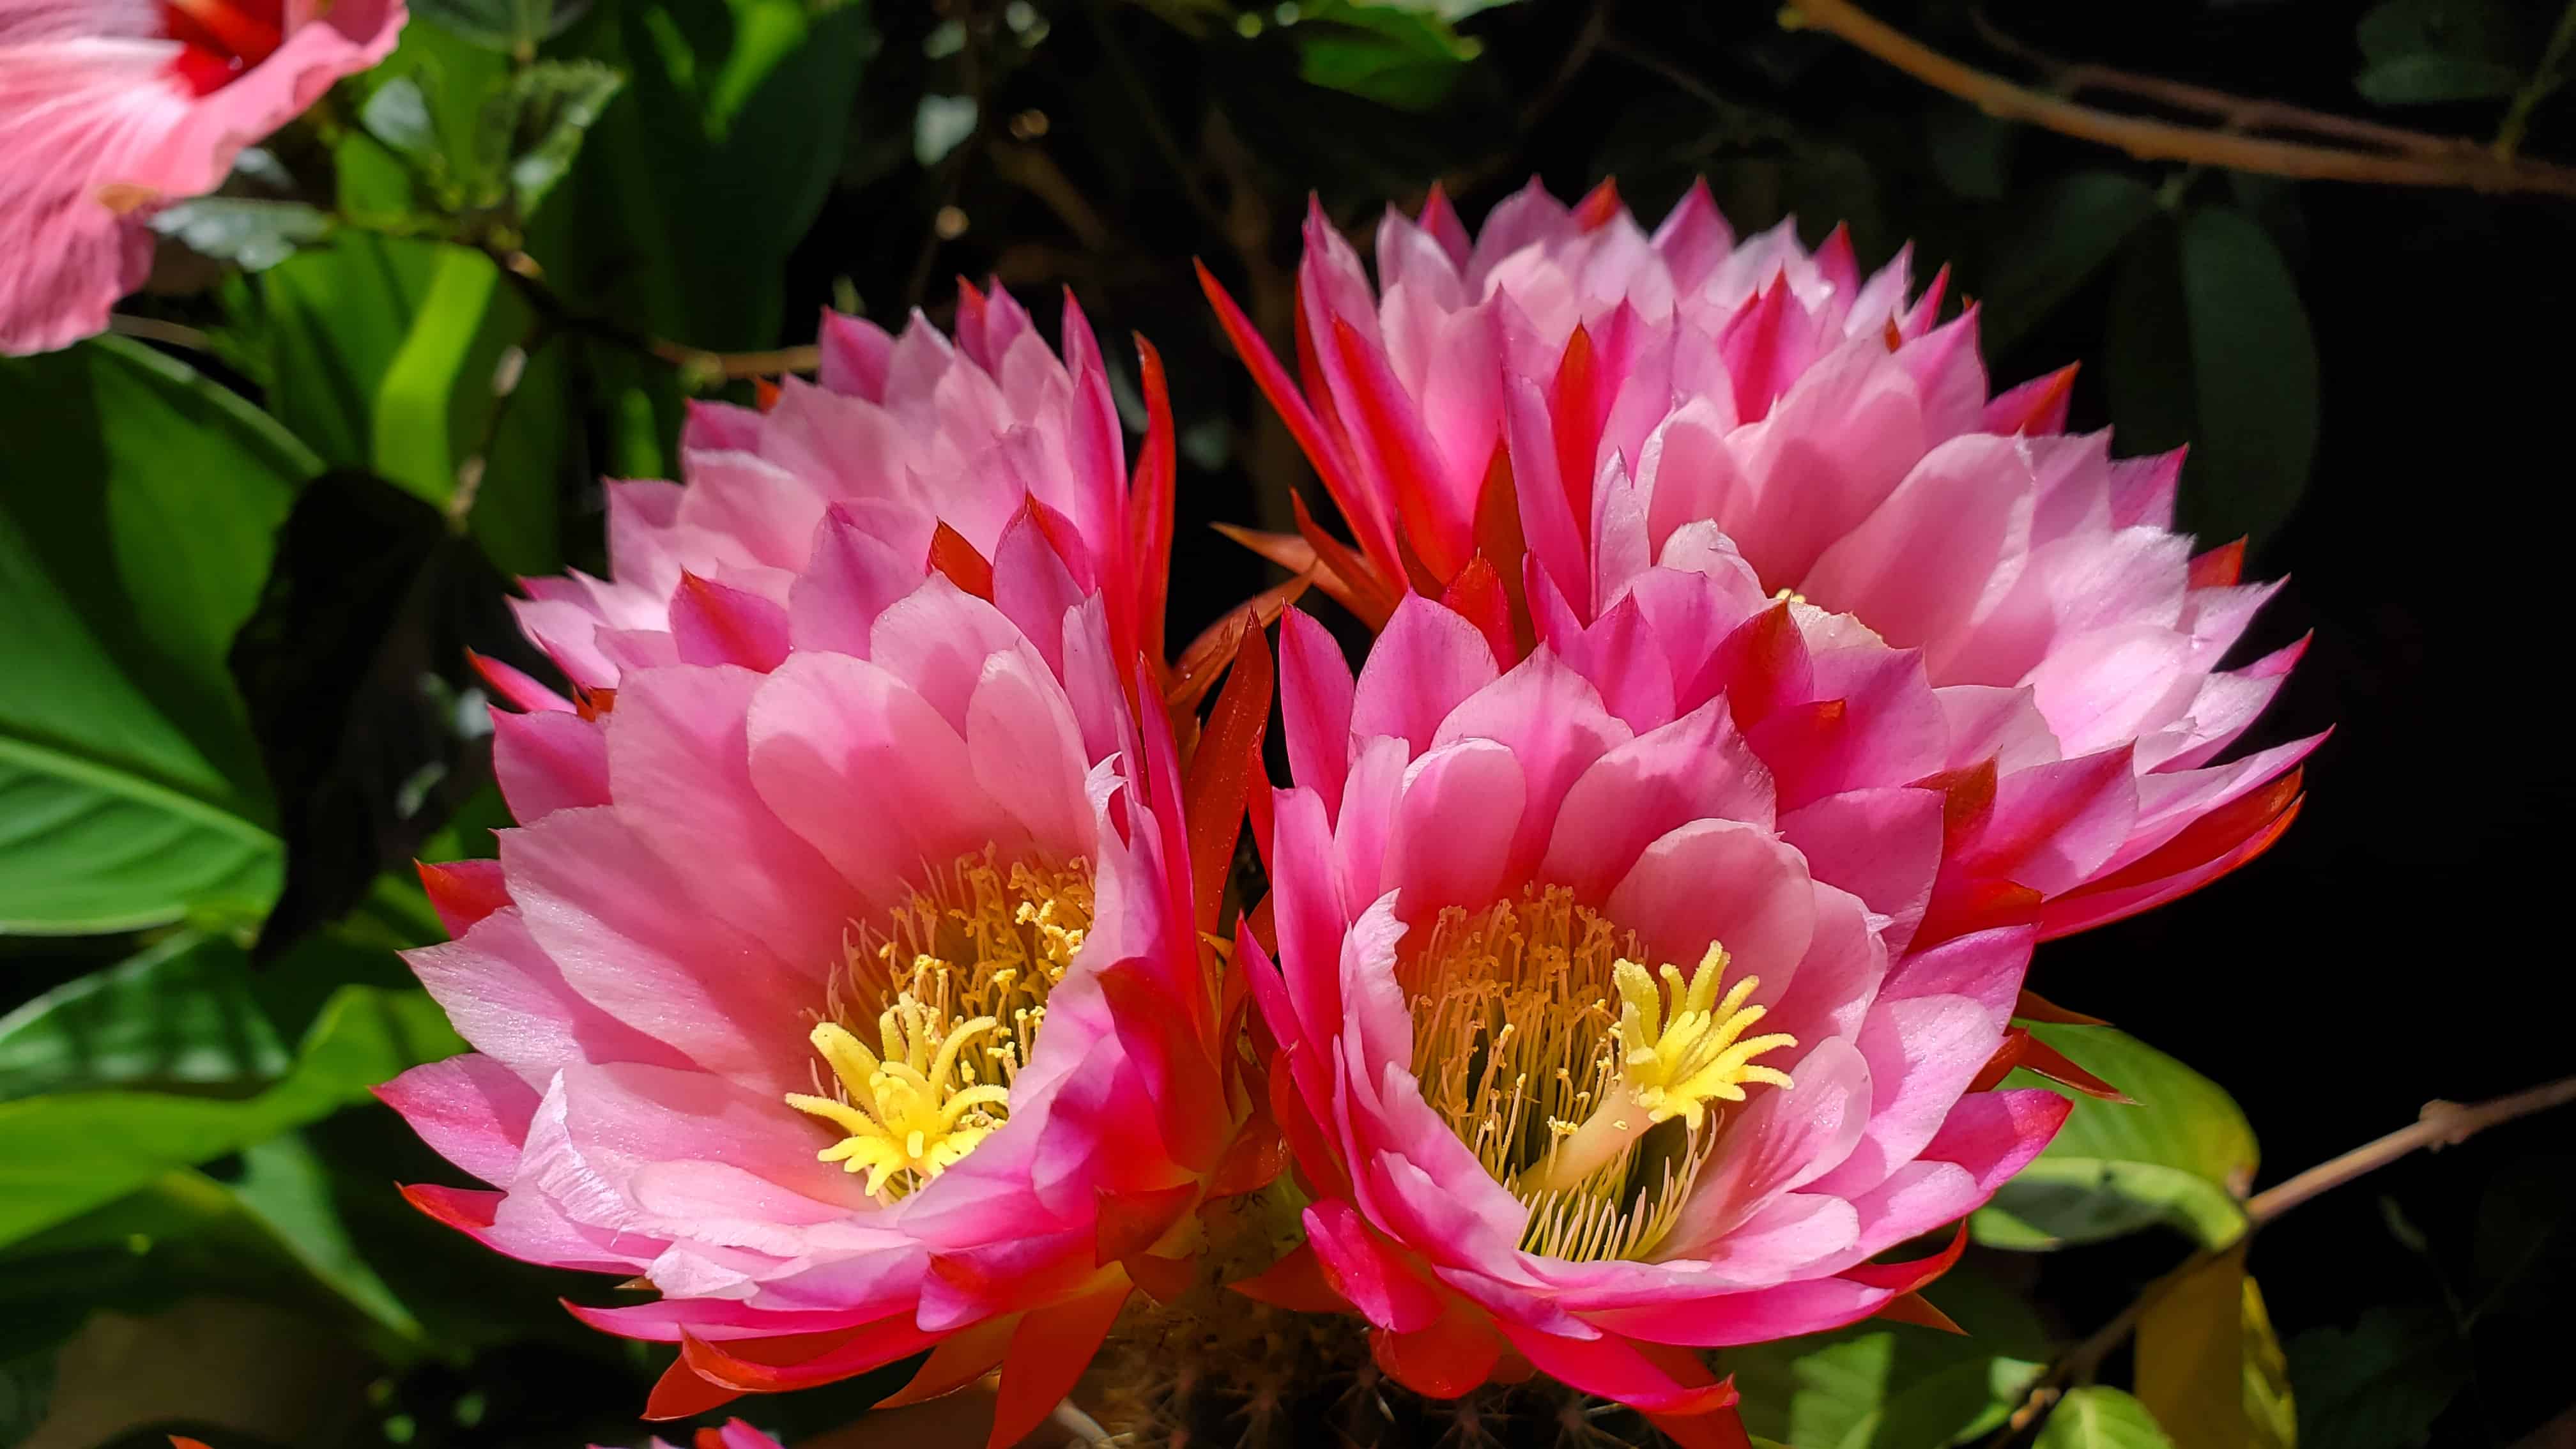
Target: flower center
(951, 988)
(1594, 1114)
(222, 38)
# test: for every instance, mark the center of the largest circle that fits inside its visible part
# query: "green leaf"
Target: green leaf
(2419, 80)
(704, 173)
(2183, 1156)
(1894, 1386)
(356, 669)
(509, 26)
(387, 354)
(2058, 239)
(63, 1155)
(1399, 55)
(251, 234)
(553, 106)
(2209, 345)
(398, 115)
(2381, 1384)
(129, 784)
(179, 1014)
(2208, 1366)
(2100, 1418)
(2419, 52)
(286, 1186)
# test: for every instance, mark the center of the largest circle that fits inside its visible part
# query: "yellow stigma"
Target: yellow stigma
(1517, 1046)
(956, 980)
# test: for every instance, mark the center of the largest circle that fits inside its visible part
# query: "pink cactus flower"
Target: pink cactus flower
(1539, 417)
(1588, 1060)
(111, 108)
(842, 977)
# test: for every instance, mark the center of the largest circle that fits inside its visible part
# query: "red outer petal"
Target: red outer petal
(2218, 567)
(2036, 1007)
(464, 891)
(1223, 769)
(959, 1360)
(1128, 1223)
(1149, 506)
(1163, 1279)
(1288, 402)
(1907, 1277)
(1049, 1351)
(2037, 406)
(2038, 1056)
(681, 1394)
(1916, 1309)
(1499, 540)
(1596, 210)
(1373, 596)
(965, 567)
(1450, 1358)
(1296, 1283)
(1719, 1428)
(802, 1360)
(1476, 592)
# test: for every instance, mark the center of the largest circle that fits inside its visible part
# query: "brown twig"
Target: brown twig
(2476, 168)
(2234, 112)
(2441, 1124)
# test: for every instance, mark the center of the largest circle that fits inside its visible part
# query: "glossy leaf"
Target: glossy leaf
(129, 785)
(2381, 1383)
(2183, 1156)
(2054, 242)
(63, 1155)
(2100, 1418)
(502, 25)
(2428, 52)
(1878, 1385)
(356, 667)
(2209, 345)
(251, 233)
(552, 107)
(180, 1014)
(2208, 1367)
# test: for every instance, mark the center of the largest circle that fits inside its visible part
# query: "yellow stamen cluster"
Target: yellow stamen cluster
(956, 980)
(1517, 1047)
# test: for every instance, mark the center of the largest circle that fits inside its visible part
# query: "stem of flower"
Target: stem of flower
(2461, 162)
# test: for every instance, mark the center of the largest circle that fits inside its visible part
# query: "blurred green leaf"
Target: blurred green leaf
(63, 1155)
(2100, 1418)
(1398, 55)
(2183, 1156)
(178, 1014)
(356, 668)
(2209, 345)
(389, 354)
(550, 109)
(511, 26)
(2054, 241)
(129, 784)
(2419, 52)
(1971, 151)
(1895, 1386)
(702, 175)
(398, 115)
(251, 234)
(2380, 1384)
(286, 1185)
(2208, 1366)
(26, 1390)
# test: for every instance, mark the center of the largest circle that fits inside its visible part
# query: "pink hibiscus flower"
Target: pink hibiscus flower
(1535, 420)
(1600, 1041)
(842, 978)
(111, 108)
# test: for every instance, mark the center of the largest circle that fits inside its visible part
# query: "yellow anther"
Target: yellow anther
(972, 956)
(1562, 1098)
